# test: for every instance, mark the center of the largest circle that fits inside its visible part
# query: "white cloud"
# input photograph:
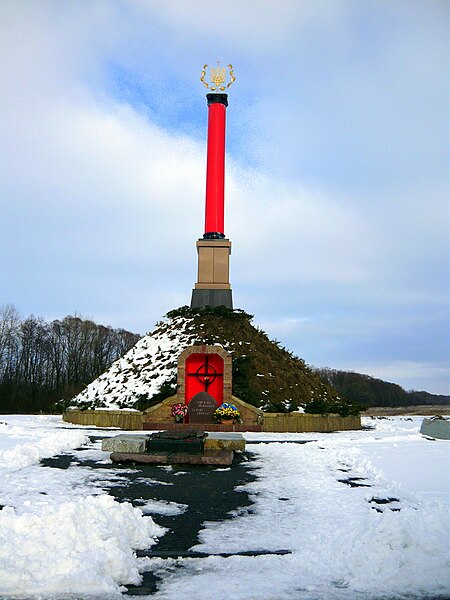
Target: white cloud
(335, 199)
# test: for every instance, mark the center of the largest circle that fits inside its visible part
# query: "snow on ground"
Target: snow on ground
(80, 547)
(344, 544)
(61, 534)
(33, 440)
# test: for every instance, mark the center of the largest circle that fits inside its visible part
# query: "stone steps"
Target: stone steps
(209, 457)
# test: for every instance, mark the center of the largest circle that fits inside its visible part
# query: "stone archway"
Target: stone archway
(204, 368)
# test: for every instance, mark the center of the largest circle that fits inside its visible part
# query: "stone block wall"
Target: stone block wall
(105, 418)
(253, 419)
(299, 423)
(162, 412)
(250, 415)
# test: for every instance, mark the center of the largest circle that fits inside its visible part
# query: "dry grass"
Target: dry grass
(425, 410)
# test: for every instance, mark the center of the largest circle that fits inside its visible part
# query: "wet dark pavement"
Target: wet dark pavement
(209, 493)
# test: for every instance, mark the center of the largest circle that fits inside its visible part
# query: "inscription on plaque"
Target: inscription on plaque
(201, 408)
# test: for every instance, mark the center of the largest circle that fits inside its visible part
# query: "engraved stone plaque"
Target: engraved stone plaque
(201, 408)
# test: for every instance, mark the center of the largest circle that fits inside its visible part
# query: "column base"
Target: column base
(214, 298)
(213, 235)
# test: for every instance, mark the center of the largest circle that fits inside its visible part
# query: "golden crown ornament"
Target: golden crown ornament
(218, 78)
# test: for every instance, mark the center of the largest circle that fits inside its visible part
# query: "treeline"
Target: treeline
(42, 362)
(369, 391)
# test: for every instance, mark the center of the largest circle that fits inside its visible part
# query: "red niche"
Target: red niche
(215, 169)
(204, 373)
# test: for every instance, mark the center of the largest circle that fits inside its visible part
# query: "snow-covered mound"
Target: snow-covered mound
(264, 373)
(140, 373)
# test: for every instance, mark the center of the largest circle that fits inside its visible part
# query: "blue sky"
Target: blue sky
(337, 183)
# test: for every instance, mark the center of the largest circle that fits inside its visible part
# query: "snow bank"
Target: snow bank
(82, 547)
(60, 534)
(29, 453)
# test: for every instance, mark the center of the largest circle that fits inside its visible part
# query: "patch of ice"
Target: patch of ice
(161, 507)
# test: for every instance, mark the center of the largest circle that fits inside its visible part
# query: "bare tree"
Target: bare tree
(42, 362)
(9, 339)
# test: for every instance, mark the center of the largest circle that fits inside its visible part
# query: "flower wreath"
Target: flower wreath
(179, 410)
(226, 412)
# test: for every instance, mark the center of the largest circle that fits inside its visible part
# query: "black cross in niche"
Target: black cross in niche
(206, 374)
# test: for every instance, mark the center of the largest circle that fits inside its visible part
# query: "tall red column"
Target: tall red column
(213, 281)
(215, 167)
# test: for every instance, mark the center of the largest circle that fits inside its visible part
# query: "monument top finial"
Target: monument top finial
(218, 78)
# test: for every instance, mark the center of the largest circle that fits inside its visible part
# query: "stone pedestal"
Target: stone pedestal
(213, 282)
(126, 443)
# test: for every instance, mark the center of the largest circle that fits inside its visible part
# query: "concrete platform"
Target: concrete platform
(126, 443)
(225, 440)
(212, 448)
(209, 457)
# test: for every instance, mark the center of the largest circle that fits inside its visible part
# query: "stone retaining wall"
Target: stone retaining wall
(105, 418)
(159, 418)
(299, 422)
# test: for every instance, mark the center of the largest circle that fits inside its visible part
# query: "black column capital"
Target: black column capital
(217, 98)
